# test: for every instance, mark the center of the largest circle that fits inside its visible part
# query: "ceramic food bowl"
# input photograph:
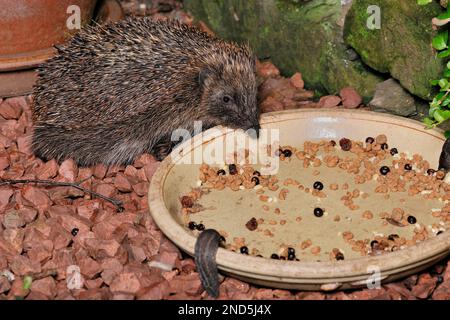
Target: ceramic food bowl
(173, 179)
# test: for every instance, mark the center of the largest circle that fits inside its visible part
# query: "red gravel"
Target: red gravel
(124, 255)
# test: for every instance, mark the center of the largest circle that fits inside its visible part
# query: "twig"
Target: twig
(75, 185)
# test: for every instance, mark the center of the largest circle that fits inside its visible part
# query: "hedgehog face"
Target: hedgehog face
(231, 100)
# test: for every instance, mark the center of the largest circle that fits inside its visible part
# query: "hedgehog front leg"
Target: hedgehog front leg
(167, 143)
(162, 149)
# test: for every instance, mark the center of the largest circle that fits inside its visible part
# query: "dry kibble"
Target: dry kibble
(347, 235)
(440, 174)
(380, 139)
(283, 193)
(334, 186)
(397, 214)
(305, 244)
(372, 162)
(367, 214)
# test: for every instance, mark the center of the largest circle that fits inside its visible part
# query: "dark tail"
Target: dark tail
(205, 259)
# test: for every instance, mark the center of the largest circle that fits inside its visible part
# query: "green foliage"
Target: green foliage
(440, 105)
(27, 282)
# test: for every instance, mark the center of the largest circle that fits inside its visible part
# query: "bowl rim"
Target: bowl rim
(298, 271)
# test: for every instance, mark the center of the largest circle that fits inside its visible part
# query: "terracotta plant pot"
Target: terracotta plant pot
(29, 29)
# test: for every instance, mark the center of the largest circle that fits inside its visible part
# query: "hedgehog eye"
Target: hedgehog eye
(226, 99)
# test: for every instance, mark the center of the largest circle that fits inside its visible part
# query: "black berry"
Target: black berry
(244, 250)
(370, 140)
(192, 225)
(346, 144)
(439, 232)
(408, 167)
(221, 172)
(256, 173)
(287, 153)
(384, 146)
(333, 143)
(291, 251)
(430, 172)
(274, 256)
(394, 151)
(200, 227)
(373, 243)
(318, 212)
(232, 169)
(74, 231)
(291, 257)
(318, 185)
(384, 170)
(339, 256)
(255, 180)
(411, 219)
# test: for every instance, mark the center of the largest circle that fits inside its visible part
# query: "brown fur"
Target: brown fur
(115, 92)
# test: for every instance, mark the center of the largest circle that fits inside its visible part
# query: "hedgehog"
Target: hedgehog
(114, 92)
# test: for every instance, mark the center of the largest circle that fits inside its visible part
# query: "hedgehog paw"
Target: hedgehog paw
(162, 150)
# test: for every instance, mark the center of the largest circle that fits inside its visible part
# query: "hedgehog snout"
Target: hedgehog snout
(252, 129)
(255, 130)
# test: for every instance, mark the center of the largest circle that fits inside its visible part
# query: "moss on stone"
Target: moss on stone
(402, 46)
(297, 36)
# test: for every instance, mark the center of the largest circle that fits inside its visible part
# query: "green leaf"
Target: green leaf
(444, 16)
(435, 82)
(443, 83)
(27, 282)
(439, 96)
(444, 54)
(433, 108)
(440, 40)
(447, 73)
(429, 123)
(447, 134)
(448, 63)
(423, 2)
(446, 102)
(441, 115)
